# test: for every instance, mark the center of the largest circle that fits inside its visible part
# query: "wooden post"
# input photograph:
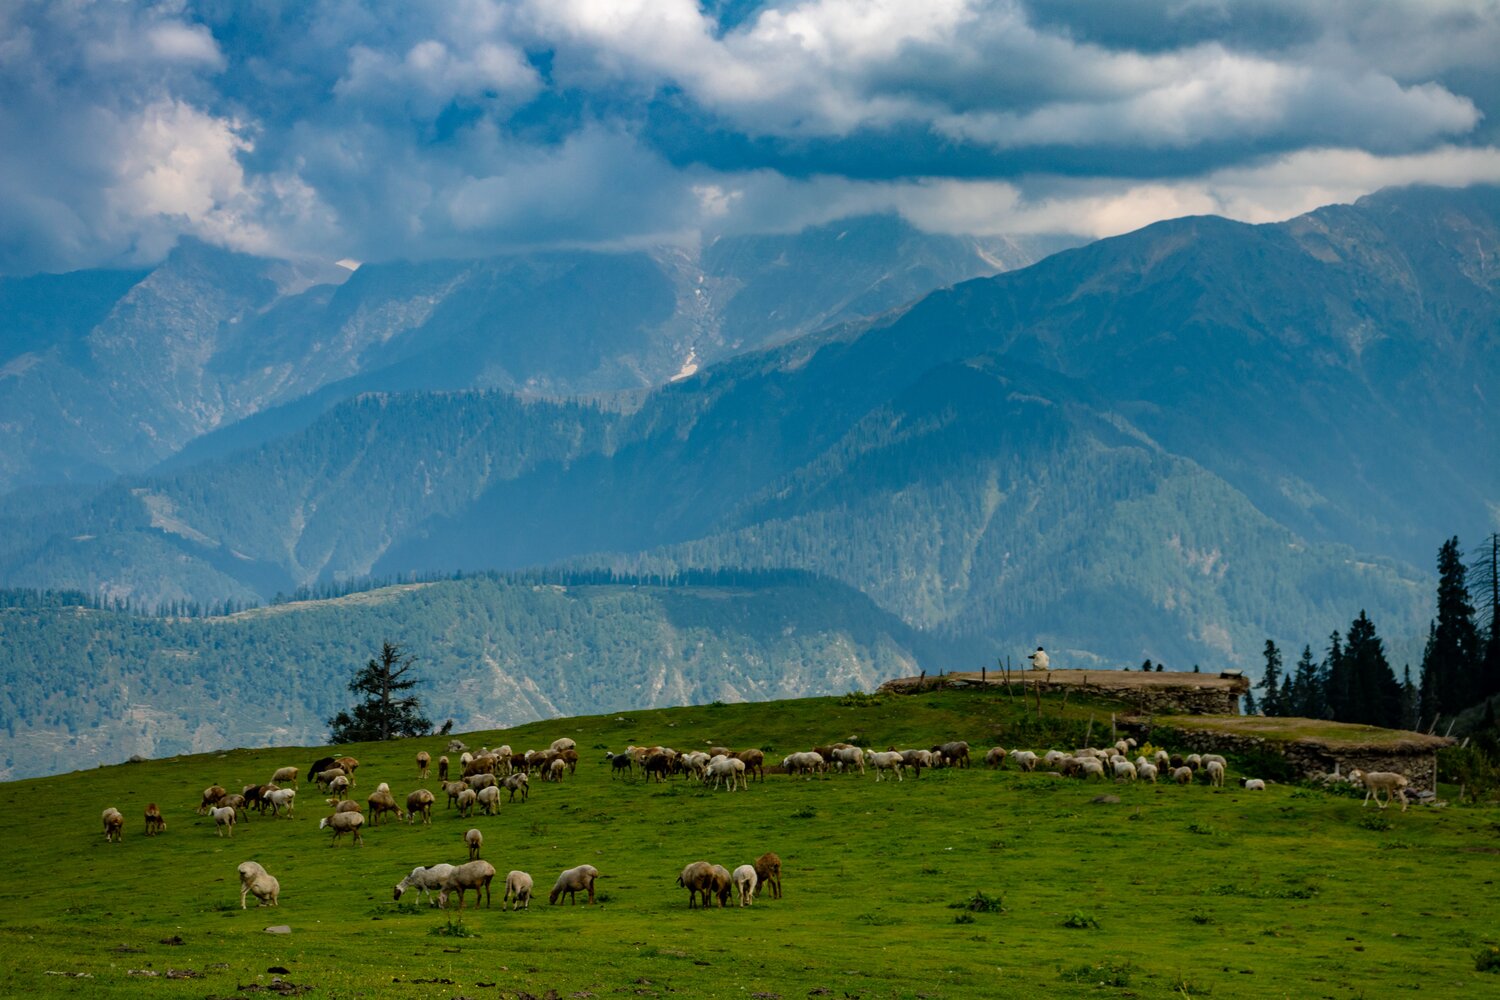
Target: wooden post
(1114, 737)
(1089, 733)
(982, 679)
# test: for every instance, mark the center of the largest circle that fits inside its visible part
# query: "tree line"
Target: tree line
(1353, 681)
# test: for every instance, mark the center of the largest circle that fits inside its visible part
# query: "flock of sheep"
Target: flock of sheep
(483, 776)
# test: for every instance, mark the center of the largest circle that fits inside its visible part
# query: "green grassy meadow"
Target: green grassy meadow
(1172, 892)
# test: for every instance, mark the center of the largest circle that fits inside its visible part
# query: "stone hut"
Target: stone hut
(1164, 692)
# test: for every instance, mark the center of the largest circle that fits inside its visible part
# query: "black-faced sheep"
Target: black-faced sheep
(256, 881)
(518, 891)
(768, 873)
(427, 881)
(475, 875)
(114, 825)
(424, 762)
(574, 880)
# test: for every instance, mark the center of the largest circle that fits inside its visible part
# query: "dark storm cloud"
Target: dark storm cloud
(378, 129)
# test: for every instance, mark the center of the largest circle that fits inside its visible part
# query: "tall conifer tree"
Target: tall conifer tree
(1270, 681)
(1335, 680)
(1307, 687)
(1451, 662)
(1484, 584)
(1374, 695)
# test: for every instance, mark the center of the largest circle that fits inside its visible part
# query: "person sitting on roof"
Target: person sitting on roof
(1039, 660)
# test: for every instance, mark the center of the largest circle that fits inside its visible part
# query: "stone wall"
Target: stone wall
(1184, 699)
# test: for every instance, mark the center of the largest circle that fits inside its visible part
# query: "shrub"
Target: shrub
(980, 902)
(963, 918)
(1488, 960)
(860, 699)
(1378, 822)
(1080, 921)
(1103, 974)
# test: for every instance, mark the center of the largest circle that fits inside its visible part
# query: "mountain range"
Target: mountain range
(1169, 444)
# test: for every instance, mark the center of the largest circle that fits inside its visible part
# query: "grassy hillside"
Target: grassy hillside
(1169, 892)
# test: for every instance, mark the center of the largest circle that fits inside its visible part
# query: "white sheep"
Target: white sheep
(1215, 773)
(888, 760)
(563, 744)
(1146, 772)
(849, 757)
(475, 875)
(1091, 767)
(427, 881)
(256, 881)
(1182, 775)
(518, 890)
(1375, 782)
(1124, 770)
(571, 881)
(281, 798)
(726, 768)
(223, 817)
(114, 825)
(1025, 759)
(285, 776)
(745, 880)
(475, 840)
(342, 823)
(489, 799)
(1253, 784)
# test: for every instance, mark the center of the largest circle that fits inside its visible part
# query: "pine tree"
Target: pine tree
(1484, 584)
(1451, 662)
(1411, 710)
(1308, 687)
(1335, 680)
(1251, 708)
(1374, 695)
(1270, 681)
(382, 714)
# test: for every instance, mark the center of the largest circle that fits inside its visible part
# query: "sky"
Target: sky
(409, 129)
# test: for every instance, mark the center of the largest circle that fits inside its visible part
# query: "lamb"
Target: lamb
(285, 776)
(744, 879)
(475, 840)
(211, 796)
(1375, 782)
(475, 875)
(768, 872)
(697, 879)
(518, 890)
(155, 821)
(1253, 784)
(342, 823)
(223, 817)
(255, 880)
(382, 802)
(1215, 773)
(420, 802)
(424, 761)
(114, 825)
(427, 881)
(1182, 775)
(995, 757)
(570, 882)
(889, 760)
(489, 800)
(282, 798)
(517, 782)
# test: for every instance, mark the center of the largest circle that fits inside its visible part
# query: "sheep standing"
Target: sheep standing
(421, 802)
(114, 825)
(888, 760)
(443, 768)
(223, 817)
(697, 879)
(155, 821)
(381, 801)
(466, 801)
(256, 881)
(995, 757)
(475, 840)
(517, 782)
(755, 763)
(570, 882)
(1215, 771)
(341, 823)
(282, 798)
(211, 796)
(475, 875)
(1182, 775)
(745, 880)
(1253, 784)
(1375, 782)
(723, 884)
(489, 799)
(424, 762)
(517, 889)
(768, 873)
(285, 776)
(427, 881)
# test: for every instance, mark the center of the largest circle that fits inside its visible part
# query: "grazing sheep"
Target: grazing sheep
(382, 802)
(349, 764)
(744, 880)
(556, 768)
(570, 882)
(475, 840)
(223, 817)
(1215, 772)
(114, 825)
(256, 881)
(803, 763)
(466, 802)
(1183, 775)
(517, 782)
(342, 823)
(442, 768)
(849, 757)
(1253, 784)
(564, 744)
(489, 800)
(723, 884)
(211, 796)
(454, 790)
(620, 763)
(427, 881)
(155, 821)
(888, 760)
(768, 872)
(657, 765)
(731, 768)
(518, 890)
(955, 753)
(1146, 772)
(345, 805)
(1375, 782)
(755, 763)
(1210, 757)
(916, 760)
(282, 798)
(1124, 770)
(235, 801)
(285, 776)
(424, 762)
(995, 757)
(697, 879)
(326, 778)
(475, 875)
(1025, 760)
(322, 764)
(339, 785)
(481, 781)
(420, 802)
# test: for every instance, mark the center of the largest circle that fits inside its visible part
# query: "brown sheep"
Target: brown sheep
(342, 823)
(382, 802)
(424, 761)
(755, 763)
(350, 765)
(475, 875)
(285, 776)
(155, 821)
(698, 879)
(442, 768)
(768, 873)
(419, 801)
(211, 796)
(454, 790)
(582, 878)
